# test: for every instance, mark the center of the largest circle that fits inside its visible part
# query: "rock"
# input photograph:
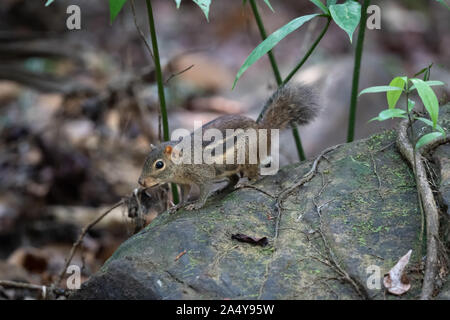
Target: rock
(368, 219)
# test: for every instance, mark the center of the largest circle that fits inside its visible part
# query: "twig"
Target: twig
(173, 75)
(429, 206)
(22, 285)
(377, 175)
(332, 261)
(250, 186)
(141, 33)
(80, 239)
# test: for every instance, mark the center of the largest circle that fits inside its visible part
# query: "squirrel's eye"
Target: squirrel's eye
(159, 164)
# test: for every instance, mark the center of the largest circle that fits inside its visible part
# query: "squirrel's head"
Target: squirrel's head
(158, 166)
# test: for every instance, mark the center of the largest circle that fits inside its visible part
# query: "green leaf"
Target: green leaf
(114, 8)
(379, 89)
(425, 70)
(204, 5)
(389, 114)
(331, 2)
(178, 2)
(428, 138)
(430, 83)
(430, 123)
(271, 41)
(428, 98)
(411, 104)
(49, 2)
(322, 7)
(393, 95)
(269, 5)
(443, 3)
(346, 16)
(266, 1)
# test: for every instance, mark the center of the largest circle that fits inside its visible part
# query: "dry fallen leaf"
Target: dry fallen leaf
(396, 281)
(255, 241)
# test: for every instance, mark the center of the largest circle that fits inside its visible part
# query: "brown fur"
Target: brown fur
(288, 105)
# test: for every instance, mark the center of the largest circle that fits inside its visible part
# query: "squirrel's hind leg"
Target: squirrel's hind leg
(232, 182)
(251, 171)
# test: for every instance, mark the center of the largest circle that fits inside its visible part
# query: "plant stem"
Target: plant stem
(309, 52)
(263, 33)
(159, 80)
(356, 71)
(276, 71)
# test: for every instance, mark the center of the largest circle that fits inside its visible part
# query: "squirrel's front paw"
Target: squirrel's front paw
(194, 206)
(174, 209)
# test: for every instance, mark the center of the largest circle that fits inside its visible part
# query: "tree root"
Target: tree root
(307, 177)
(429, 207)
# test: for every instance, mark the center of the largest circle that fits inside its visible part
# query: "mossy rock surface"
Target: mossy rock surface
(369, 218)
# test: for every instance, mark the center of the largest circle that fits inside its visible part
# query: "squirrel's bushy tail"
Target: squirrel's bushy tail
(290, 104)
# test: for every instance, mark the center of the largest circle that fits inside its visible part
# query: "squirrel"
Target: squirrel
(289, 105)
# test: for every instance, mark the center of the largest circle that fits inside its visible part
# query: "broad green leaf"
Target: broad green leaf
(394, 95)
(379, 89)
(430, 83)
(443, 3)
(49, 2)
(114, 8)
(204, 5)
(428, 98)
(322, 7)
(411, 104)
(271, 41)
(428, 138)
(178, 2)
(331, 2)
(346, 16)
(389, 114)
(430, 123)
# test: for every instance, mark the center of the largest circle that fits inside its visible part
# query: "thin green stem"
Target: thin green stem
(309, 52)
(263, 33)
(158, 71)
(159, 80)
(356, 71)
(276, 71)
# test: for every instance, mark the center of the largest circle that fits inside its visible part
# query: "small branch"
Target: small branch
(333, 262)
(429, 206)
(14, 284)
(80, 239)
(141, 34)
(173, 75)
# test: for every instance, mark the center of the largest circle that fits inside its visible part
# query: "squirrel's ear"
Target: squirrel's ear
(168, 150)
